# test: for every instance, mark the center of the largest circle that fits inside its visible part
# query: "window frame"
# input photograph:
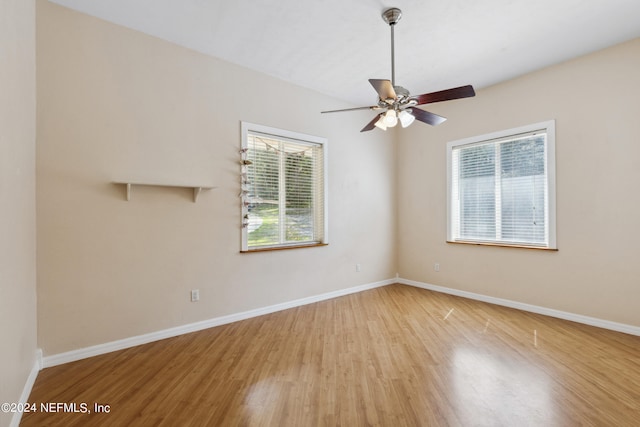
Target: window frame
(550, 169)
(276, 133)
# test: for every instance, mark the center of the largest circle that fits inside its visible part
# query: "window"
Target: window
(284, 189)
(501, 188)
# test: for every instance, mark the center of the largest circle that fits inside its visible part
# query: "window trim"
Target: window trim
(550, 166)
(245, 129)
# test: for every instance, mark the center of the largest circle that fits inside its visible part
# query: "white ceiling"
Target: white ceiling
(334, 46)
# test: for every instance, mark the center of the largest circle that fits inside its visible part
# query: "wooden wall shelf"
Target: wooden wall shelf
(196, 188)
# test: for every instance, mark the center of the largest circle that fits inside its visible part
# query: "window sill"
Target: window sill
(504, 245)
(283, 248)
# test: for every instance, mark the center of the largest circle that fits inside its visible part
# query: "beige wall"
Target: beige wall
(114, 104)
(17, 198)
(595, 101)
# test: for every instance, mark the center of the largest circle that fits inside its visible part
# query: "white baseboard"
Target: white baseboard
(28, 386)
(592, 321)
(83, 353)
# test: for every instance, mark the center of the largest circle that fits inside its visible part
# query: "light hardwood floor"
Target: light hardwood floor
(392, 356)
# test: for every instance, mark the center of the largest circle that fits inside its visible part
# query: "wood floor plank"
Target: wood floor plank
(392, 356)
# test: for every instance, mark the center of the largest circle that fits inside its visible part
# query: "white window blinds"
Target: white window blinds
(499, 189)
(286, 192)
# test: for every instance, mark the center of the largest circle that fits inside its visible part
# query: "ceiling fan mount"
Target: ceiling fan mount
(395, 102)
(392, 15)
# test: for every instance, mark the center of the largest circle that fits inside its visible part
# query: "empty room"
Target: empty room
(286, 213)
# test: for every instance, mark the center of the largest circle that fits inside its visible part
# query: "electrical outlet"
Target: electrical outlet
(358, 268)
(436, 266)
(195, 295)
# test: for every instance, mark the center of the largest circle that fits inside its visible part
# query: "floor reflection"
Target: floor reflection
(492, 390)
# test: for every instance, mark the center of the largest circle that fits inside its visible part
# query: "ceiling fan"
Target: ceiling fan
(395, 103)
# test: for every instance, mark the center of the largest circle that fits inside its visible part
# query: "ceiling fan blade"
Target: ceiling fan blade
(371, 124)
(373, 107)
(446, 95)
(384, 88)
(427, 117)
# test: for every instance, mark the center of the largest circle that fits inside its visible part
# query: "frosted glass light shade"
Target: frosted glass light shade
(380, 123)
(406, 118)
(390, 118)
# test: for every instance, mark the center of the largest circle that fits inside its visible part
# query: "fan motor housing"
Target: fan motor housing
(400, 91)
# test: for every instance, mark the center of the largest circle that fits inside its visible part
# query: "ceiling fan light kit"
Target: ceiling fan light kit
(395, 103)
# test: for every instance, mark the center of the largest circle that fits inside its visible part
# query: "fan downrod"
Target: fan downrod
(391, 16)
